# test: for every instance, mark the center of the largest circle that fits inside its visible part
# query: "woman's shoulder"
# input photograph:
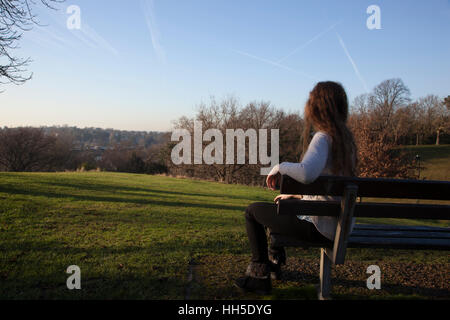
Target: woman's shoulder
(322, 136)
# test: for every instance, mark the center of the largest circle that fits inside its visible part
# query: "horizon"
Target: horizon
(140, 66)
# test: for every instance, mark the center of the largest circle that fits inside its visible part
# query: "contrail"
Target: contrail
(309, 42)
(43, 35)
(85, 34)
(273, 63)
(150, 19)
(96, 38)
(353, 63)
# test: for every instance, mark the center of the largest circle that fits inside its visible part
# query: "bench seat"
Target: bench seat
(382, 236)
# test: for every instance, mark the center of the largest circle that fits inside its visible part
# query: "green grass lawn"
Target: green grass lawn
(132, 235)
(435, 161)
(156, 237)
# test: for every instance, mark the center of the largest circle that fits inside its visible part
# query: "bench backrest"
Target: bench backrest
(370, 187)
(350, 188)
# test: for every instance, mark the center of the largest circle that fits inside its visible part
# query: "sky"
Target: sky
(140, 64)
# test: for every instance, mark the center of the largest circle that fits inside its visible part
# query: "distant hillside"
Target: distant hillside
(85, 138)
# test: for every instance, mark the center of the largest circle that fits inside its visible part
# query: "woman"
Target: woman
(331, 151)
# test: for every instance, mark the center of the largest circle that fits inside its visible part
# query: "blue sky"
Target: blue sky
(138, 65)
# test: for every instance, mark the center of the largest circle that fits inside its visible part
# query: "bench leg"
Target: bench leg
(325, 275)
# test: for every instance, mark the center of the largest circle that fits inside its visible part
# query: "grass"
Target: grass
(156, 237)
(434, 161)
(131, 235)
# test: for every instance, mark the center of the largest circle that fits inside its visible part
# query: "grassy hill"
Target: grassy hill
(131, 235)
(155, 237)
(435, 161)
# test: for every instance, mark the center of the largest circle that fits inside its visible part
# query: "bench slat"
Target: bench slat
(403, 210)
(360, 226)
(389, 236)
(370, 187)
(365, 242)
(399, 243)
(400, 234)
(365, 209)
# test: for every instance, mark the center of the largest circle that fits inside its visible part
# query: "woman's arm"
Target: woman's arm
(313, 162)
(287, 196)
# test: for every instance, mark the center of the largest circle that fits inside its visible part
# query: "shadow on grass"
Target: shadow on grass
(389, 290)
(107, 272)
(138, 191)
(170, 203)
(103, 286)
(219, 272)
(158, 280)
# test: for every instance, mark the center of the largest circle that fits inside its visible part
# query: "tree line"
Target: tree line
(381, 121)
(71, 148)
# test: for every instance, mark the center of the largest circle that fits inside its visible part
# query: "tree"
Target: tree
(229, 114)
(403, 125)
(378, 120)
(16, 17)
(26, 149)
(442, 118)
(386, 98)
(435, 116)
(377, 155)
(383, 103)
(418, 121)
(135, 164)
(447, 102)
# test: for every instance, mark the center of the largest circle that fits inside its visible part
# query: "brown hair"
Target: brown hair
(327, 110)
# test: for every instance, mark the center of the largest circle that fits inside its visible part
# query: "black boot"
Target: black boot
(257, 279)
(277, 258)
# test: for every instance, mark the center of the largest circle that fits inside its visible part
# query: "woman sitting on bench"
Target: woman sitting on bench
(331, 151)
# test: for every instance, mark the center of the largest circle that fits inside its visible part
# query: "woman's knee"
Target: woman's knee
(250, 210)
(257, 207)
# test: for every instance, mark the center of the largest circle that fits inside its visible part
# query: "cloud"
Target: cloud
(150, 18)
(358, 74)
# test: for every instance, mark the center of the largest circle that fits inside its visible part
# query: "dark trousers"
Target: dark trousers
(259, 215)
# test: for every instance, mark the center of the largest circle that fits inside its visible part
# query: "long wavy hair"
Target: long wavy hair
(327, 110)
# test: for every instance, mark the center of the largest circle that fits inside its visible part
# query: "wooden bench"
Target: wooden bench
(368, 236)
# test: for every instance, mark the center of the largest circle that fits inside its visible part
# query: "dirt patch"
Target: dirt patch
(215, 276)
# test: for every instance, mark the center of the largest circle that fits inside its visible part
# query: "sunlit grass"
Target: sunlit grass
(133, 236)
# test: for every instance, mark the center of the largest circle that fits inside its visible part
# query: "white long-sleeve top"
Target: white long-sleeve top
(316, 162)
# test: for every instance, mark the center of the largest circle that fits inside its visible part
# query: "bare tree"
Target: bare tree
(229, 114)
(16, 17)
(441, 119)
(26, 149)
(403, 124)
(387, 97)
(435, 116)
(418, 121)
(447, 102)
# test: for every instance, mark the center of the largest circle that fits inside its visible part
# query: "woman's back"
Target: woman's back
(317, 162)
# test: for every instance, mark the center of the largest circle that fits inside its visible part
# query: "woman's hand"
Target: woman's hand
(287, 196)
(272, 181)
